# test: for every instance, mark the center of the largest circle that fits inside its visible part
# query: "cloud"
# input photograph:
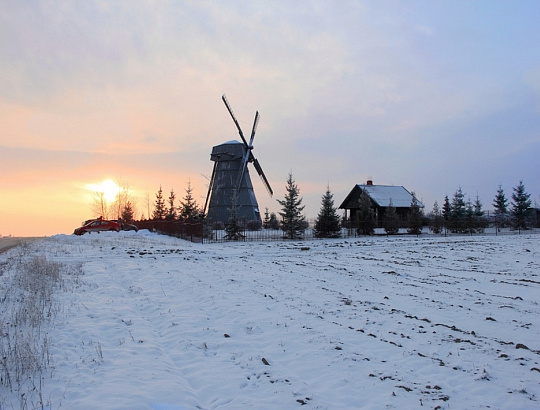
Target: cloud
(345, 90)
(532, 79)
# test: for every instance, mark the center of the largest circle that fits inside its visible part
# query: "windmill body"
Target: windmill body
(230, 178)
(228, 158)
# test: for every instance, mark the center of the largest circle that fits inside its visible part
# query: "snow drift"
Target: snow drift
(144, 321)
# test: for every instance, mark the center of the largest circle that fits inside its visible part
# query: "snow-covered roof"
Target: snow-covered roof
(382, 194)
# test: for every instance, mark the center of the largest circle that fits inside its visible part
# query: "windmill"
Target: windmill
(230, 177)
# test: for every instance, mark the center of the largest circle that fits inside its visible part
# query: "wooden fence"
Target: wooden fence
(191, 231)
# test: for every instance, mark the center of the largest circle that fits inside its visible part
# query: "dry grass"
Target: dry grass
(27, 309)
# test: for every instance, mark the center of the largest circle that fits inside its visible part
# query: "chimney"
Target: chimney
(369, 182)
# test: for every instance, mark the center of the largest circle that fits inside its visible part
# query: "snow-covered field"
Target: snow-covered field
(151, 322)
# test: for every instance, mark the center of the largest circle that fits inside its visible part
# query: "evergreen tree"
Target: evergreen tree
(446, 212)
(469, 221)
(391, 221)
(521, 203)
(479, 215)
(436, 220)
(171, 216)
(266, 220)
(160, 210)
(457, 212)
(189, 209)
(233, 229)
(365, 217)
(327, 224)
(415, 218)
(500, 205)
(292, 220)
(128, 213)
(274, 223)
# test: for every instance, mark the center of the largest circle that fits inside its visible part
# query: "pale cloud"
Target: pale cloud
(424, 30)
(532, 79)
(393, 91)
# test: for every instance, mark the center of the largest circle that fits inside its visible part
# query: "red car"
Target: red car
(98, 225)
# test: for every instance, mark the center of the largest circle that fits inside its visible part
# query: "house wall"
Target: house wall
(380, 212)
(351, 206)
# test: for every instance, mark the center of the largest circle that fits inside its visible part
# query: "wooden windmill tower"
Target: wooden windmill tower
(230, 177)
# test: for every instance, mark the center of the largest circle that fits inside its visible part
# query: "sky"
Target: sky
(432, 96)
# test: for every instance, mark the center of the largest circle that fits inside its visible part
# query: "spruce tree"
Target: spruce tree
(479, 215)
(189, 209)
(233, 229)
(500, 205)
(266, 220)
(457, 212)
(171, 216)
(415, 218)
(159, 208)
(365, 217)
(327, 224)
(274, 223)
(436, 220)
(521, 203)
(469, 221)
(391, 221)
(292, 220)
(446, 212)
(128, 213)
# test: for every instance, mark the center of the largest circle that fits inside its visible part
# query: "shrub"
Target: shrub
(254, 225)
(218, 226)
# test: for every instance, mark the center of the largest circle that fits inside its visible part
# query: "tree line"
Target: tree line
(457, 215)
(460, 216)
(166, 209)
(163, 208)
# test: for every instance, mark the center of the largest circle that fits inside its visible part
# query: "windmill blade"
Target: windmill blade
(234, 119)
(255, 123)
(243, 171)
(212, 178)
(263, 177)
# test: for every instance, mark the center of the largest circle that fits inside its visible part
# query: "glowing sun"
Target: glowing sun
(109, 188)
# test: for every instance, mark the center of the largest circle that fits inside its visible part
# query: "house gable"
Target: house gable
(380, 195)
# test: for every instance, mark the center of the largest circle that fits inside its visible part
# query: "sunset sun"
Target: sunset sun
(109, 188)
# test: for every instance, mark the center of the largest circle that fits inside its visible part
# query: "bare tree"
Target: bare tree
(148, 204)
(99, 205)
(122, 198)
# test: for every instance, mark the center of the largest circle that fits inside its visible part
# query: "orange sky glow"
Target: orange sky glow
(413, 95)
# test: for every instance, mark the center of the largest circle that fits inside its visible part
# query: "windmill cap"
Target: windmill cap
(228, 151)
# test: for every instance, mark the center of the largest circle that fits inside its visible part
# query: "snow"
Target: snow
(155, 322)
(382, 195)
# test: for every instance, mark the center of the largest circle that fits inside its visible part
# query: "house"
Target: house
(380, 196)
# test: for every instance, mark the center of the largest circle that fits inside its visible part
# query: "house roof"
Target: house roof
(382, 194)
